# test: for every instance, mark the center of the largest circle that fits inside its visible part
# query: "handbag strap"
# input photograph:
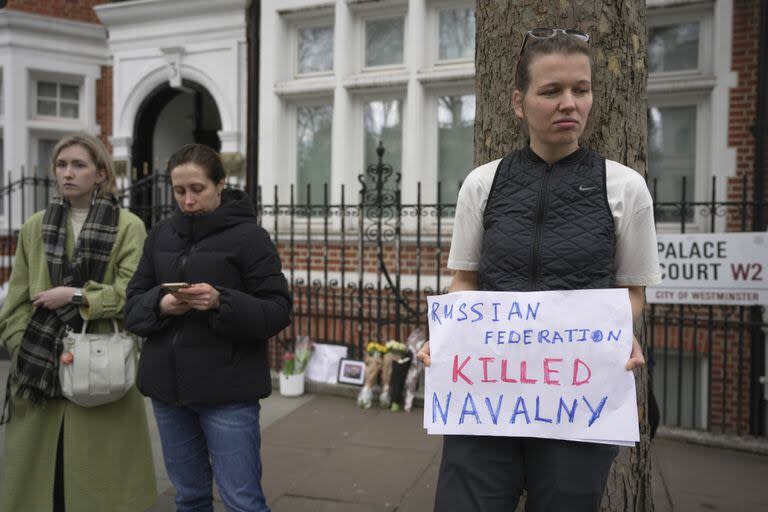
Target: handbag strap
(114, 325)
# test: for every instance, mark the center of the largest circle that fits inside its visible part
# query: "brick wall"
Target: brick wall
(719, 334)
(413, 259)
(104, 104)
(743, 100)
(76, 10)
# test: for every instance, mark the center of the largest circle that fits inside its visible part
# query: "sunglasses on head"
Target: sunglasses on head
(547, 33)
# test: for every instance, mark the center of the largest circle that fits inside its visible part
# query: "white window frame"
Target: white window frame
(430, 129)
(292, 131)
(365, 13)
(432, 32)
(322, 18)
(357, 127)
(689, 88)
(698, 14)
(35, 136)
(59, 80)
(702, 167)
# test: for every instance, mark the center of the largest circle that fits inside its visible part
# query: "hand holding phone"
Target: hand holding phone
(173, 287)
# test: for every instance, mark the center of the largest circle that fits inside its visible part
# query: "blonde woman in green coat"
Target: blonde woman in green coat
(73, 262)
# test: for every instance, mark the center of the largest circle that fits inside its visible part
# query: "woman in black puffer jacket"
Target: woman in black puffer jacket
(204, 363)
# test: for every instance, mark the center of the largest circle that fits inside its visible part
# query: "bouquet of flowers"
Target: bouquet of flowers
(295, 361)
(415, 341)
(374, 348)
(399, 361)
(396, 348)
(374, 351)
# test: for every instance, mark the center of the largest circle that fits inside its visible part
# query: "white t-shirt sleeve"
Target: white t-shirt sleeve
(636, 258)
(468, 230)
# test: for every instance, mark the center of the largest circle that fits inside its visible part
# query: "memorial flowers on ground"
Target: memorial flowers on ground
(294, 362)
(386, 363)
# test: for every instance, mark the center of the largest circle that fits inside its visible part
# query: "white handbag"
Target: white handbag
(103, 370)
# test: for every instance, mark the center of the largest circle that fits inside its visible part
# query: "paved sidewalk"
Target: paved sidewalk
(323, 454)
(374, 460)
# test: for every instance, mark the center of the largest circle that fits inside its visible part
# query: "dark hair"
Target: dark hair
(202, 155)
(559, 43)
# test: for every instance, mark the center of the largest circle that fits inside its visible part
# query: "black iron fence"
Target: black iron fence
(708, 362)
(360, 268)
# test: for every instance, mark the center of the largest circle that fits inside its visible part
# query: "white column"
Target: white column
(268, 103)
(414, 135)
(16, 134)
(344, 166)
(88, 105)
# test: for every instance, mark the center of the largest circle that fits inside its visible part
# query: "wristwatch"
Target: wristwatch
(77, 297)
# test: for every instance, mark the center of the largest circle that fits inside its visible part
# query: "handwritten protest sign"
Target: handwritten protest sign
(535, 364)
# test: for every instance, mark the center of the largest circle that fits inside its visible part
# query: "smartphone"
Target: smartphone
(173, 287)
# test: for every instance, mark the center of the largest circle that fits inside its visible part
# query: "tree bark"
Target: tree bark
(618, 131)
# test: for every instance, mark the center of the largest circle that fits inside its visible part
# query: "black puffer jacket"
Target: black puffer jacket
(209, 357)
(548, 227)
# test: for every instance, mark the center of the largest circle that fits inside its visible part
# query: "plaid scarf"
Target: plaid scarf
(37, 366)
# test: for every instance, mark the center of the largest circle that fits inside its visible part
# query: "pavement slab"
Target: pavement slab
(372, 458)
(705, 478)
(421, 496)
(304, 504)
(286, 467)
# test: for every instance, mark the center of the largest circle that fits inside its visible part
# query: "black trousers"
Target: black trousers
(488, 474)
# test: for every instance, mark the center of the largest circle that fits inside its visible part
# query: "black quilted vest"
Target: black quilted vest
(548, 227)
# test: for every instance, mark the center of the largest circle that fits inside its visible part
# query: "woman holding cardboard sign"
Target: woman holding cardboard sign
(550, 216)
(208, 293)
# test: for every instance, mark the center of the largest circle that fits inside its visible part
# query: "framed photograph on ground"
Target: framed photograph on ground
(352, 372)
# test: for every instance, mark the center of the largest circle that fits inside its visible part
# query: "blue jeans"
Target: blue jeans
(202, 442)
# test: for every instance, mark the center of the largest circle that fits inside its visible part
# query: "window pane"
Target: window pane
(44, 155)
(44, 169)
(315, 49)
(313, 151)
(457, 34)
(70, 92)
(69, 110)
(673, 48)
(671, 157)
(384, 42)
(46, 107)
(383, 122)
(46, 90)
(455, 141)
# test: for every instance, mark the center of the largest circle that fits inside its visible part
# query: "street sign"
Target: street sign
(712, 268)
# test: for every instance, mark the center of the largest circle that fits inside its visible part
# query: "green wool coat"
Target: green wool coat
(107, 452)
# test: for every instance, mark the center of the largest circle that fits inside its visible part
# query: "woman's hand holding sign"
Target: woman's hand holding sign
(636, 358)
(463, 281)
(637, 299)
(423, 354)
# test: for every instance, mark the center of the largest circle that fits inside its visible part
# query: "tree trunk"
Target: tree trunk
(618, 121)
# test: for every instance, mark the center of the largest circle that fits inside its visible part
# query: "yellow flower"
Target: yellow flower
(374, 347)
